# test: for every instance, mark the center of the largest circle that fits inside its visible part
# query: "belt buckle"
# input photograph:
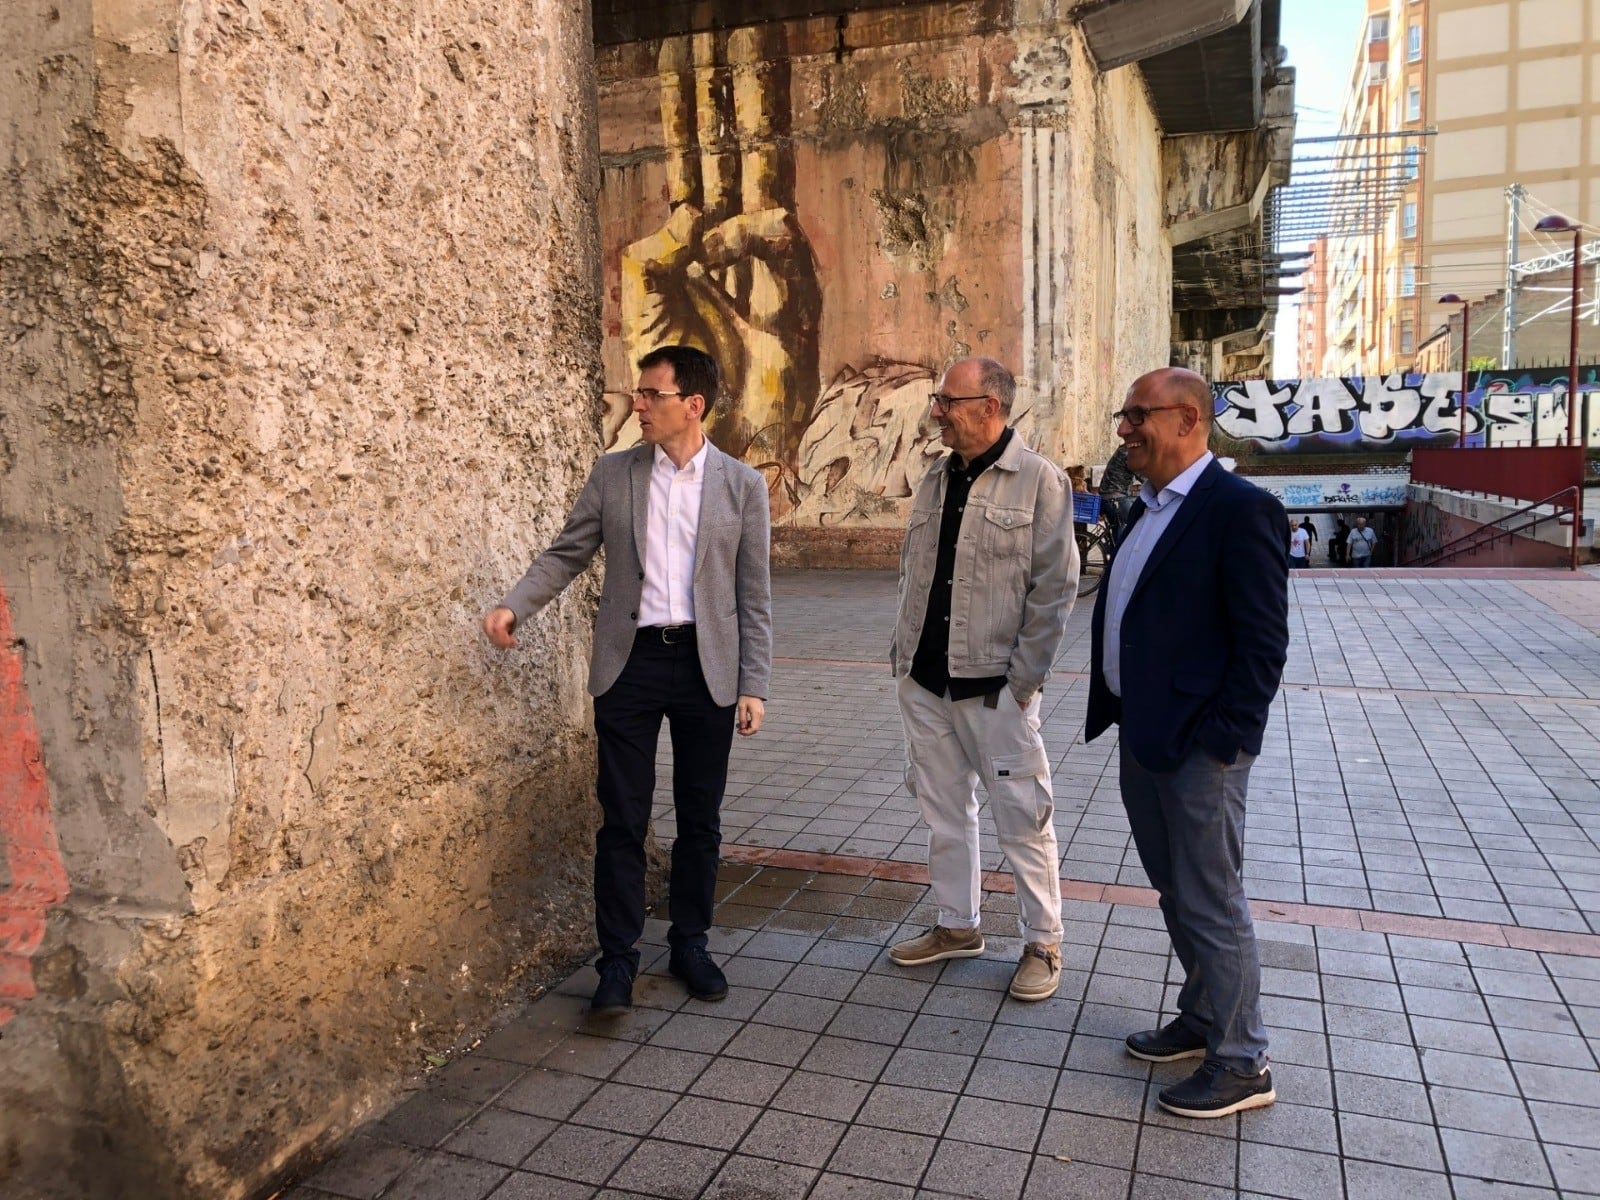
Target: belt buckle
(671, 635)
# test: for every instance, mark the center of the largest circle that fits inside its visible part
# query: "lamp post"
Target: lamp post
(1555, 223)
(1466, 336)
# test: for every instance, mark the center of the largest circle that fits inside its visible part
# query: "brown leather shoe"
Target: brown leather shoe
(1038, 974)
(936, 944)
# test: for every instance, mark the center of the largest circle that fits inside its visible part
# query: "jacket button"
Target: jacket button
(641, 574)
(633, 616)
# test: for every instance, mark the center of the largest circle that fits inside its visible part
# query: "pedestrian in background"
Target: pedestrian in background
(1299, 547)
(1189, 637)
(1361, 543)
(1311, 534)
(988, 574)
(684, 633)
(1339, 542)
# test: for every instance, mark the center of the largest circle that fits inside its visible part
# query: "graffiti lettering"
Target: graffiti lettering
(1379, 410)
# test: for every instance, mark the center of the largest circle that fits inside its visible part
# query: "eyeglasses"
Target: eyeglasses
(1135, 414)
(651, 395)
(941, 403)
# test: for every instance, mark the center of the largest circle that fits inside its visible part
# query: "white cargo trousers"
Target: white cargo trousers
(950, 746)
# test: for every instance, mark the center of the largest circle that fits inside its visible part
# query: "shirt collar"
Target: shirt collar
(1182, 485)
(985, 460)
(695, 467)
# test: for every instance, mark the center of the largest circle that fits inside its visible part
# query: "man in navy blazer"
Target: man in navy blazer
(1190, 632)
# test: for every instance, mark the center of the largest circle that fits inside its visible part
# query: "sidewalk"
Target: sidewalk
(1423, 848)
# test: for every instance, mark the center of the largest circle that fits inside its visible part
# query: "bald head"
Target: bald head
(1166, 423)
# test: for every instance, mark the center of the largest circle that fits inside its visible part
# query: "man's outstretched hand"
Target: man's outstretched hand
(497, 626)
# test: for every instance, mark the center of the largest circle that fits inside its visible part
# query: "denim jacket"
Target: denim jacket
(1016, 571)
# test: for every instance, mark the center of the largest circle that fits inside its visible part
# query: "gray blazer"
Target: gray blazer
(732, 583)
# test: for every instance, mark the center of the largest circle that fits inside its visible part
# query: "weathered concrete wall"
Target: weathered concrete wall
(298, 326)
(838, 209)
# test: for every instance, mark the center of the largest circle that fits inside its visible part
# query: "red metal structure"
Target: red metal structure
(1532, 474)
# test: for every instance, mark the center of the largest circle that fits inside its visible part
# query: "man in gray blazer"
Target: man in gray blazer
(684, 632)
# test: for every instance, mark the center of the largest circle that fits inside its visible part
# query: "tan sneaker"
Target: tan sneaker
(937, 943)
(1038, 974)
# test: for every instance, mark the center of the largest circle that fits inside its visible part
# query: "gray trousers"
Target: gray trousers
(1188, 826)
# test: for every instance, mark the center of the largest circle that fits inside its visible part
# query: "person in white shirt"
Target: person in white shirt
(683, 634)
(1299, 547)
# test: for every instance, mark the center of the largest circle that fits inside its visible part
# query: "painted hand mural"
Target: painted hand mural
(731, 270)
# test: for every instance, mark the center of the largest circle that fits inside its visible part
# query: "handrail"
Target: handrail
(1494, 531)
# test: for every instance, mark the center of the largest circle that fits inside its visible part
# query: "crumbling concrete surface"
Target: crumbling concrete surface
(298, 365)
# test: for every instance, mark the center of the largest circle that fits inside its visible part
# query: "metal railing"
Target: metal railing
(1487, 535)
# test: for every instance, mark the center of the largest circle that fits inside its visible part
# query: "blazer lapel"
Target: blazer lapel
(1199, 496)
(643, 461)
(714, 505)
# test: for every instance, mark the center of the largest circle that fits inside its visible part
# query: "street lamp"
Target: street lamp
(1555, 223)
(1466, 334)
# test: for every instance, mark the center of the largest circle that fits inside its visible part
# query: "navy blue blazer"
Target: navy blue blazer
(1206, 630)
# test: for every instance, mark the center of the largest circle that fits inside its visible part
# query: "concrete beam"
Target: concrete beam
(1126, 31)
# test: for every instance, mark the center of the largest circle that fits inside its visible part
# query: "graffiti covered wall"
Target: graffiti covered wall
(836, 211)
(1517, 408)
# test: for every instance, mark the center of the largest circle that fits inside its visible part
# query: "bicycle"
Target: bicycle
(1096, 544)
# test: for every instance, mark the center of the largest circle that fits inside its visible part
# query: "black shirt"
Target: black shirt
(930, 665)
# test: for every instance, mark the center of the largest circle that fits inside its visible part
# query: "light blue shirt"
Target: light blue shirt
(1131, 558)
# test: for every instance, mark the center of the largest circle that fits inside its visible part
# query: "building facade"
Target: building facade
(1456, 103)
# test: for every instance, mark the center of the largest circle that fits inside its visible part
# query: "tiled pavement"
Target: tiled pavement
(1430, 764)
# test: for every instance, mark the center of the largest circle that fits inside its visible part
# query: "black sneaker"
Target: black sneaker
(703, 977)
(1215, 1091)
(1171, 1042)
(614, 996)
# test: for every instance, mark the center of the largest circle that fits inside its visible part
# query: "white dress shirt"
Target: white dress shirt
(1130, 560)
(671, 530)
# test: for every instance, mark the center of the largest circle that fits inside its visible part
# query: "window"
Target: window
(1408, 339)
(1408, 280)
(1394, 113)
(1377, 28)
(1414, 43)
(1377, 72)
(1411, 162)
(1408, 219)
(1414, 104)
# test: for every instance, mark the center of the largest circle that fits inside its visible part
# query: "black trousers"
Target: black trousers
(659, 681)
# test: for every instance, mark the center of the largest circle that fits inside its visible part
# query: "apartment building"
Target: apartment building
(1458, 99)
(1373, 305)
(1311, 331)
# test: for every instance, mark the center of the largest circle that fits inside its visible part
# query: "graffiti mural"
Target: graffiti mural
(1397, 410)
(730, 270)
(1299, 492)
(32, 877)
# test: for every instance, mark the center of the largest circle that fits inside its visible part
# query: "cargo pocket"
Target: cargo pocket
(1030, 764)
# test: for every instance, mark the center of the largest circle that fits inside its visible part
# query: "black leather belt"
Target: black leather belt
(670, 635)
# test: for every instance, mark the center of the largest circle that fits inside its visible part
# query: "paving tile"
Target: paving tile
(1051, 1179)
(438, 1174)
(1282, 1171)
(1000, 1123)
(743, 1177)
(883, 1154)
(964, 1169)
(423, 1120)
(363, 1167)
(907, 1109)
(1483, 1112)
(1484, 1156)
(579, 1154)
(1398, 1143)
(1381, 1181)
(847, 1187)
(623, 1107)
(792, 1138)
(817, 1095)
(1182, 1154)
(499, 1136)
(525, 1185)
(701, 1121)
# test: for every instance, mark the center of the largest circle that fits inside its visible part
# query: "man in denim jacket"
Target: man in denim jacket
(988, 574)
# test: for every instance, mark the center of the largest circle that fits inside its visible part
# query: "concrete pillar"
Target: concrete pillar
(298, 351)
